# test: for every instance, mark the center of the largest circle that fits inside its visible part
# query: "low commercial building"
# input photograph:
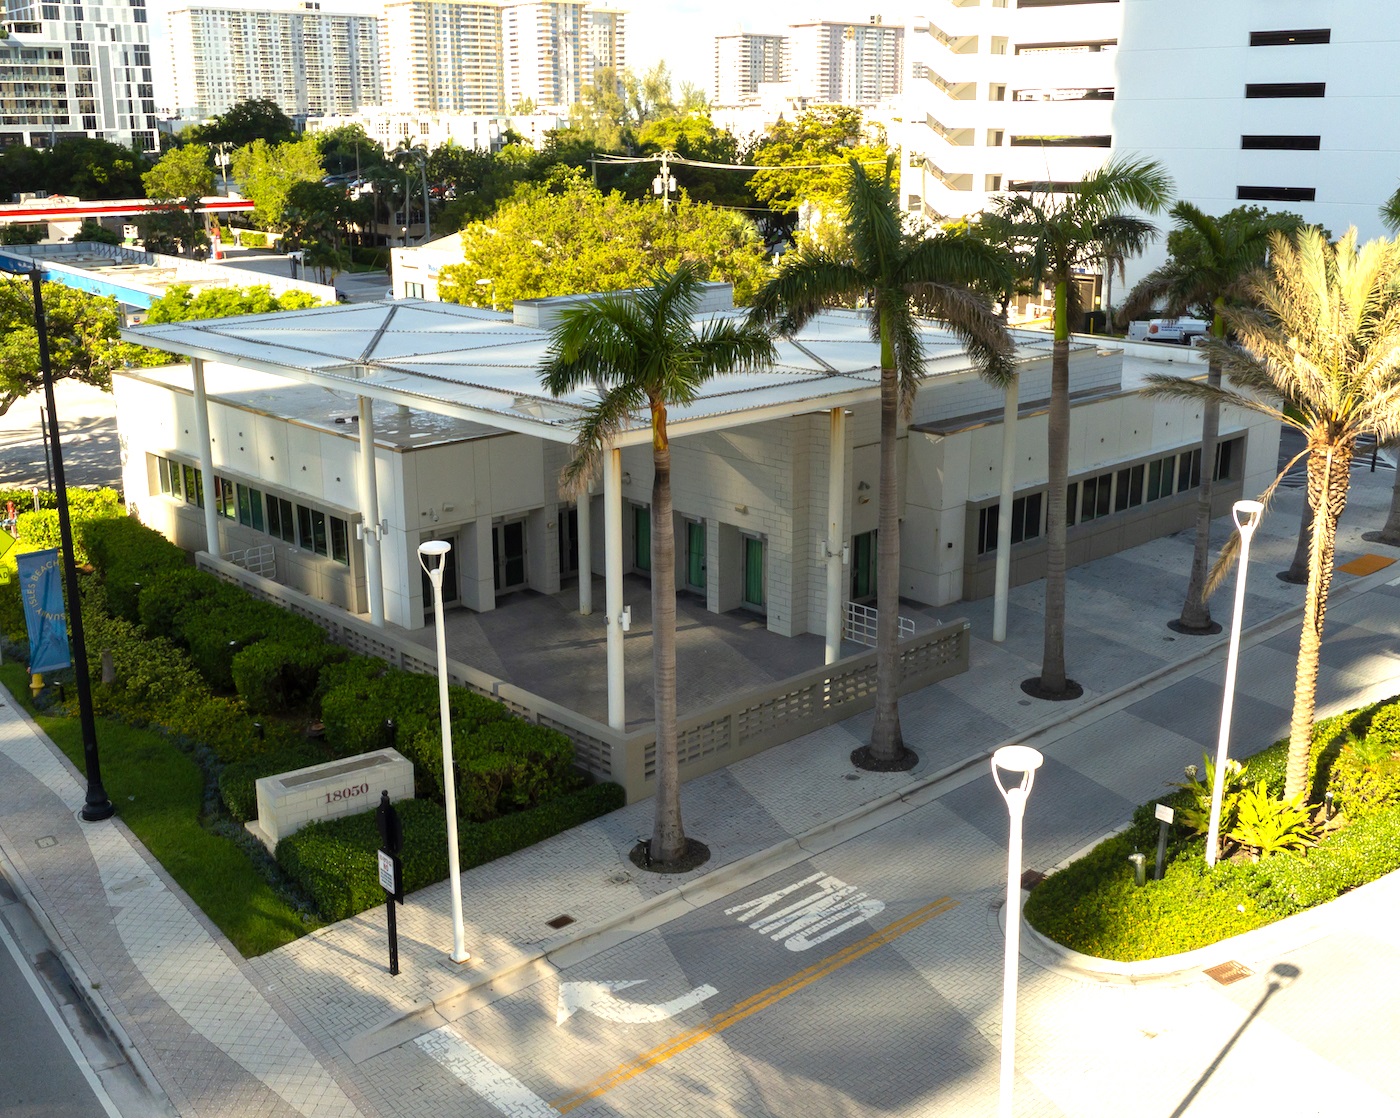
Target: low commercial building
(331, 443)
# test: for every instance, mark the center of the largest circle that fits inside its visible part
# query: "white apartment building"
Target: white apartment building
(443, 56)
(846, 63)
(743, 62)
(488, 56)
(69, 71)
(431, 130)
(1267, 102)
(307, 60)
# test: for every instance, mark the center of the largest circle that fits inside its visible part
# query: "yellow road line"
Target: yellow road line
(747, 1008)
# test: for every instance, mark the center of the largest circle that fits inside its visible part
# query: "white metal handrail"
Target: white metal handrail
(261, 560)
(863, 621)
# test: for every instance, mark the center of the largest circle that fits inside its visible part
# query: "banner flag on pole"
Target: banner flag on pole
(41, 591)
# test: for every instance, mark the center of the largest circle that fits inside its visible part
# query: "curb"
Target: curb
(1259, 946)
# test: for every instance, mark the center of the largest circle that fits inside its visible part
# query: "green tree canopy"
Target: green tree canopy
(268, 172)
(349, 148)
(85, 168)
(82, 332)
(180, 303)
(246, 122)
(568, 237)
(179, 174)
(831, 135)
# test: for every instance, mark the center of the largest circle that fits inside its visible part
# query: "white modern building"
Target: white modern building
(430, 130)
(65, 73)
(847, 63)
(1273, 104)
(307, 60)
(743, 62)
(332, 443)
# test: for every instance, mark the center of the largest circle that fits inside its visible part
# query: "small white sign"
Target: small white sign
(1164, 813)
(386, 872)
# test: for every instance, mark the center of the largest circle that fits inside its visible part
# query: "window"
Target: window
(340, 540)
(995, 137)
(168, 478)
(1227, 456)
(1290, 38)
(1159, 477)
(1281, 143)
(1188, 473)
(1285, 89)
(1088, 46)
(250, 507)
(279, 520)
(1129, 492)
(1276, 193)
(225, 501)
(311, 530)
(1061, 141)
(194, 485)
(993, 183)
(1071, 503)
(1096, 493)
(996, 93)
(413, 290)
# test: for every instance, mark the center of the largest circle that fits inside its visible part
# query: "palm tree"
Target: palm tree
(1068, 232)
(1320, 352)
(1210, 259)
(897, 273)
(643, 355)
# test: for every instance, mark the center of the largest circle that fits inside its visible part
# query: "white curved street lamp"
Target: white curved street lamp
(432, 557)
(1017, 760)
(1247, 516)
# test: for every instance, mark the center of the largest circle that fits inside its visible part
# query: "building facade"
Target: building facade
(745, 61)
(847, 63)
(67, 70)
(308, 61)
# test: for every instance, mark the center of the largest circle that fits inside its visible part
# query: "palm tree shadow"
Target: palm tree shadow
(1284, 975)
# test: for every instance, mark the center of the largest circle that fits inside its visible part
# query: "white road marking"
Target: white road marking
(483, 1075)
(835, 908)
(599, 999)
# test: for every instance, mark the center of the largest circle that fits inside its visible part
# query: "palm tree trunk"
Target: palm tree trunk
(1329, 475)
(668, 841)
(1195, 613)
(1391, 532)
(886, 735)
(1297, 572)
(1052, 669)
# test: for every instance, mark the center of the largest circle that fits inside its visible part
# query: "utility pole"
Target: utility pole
(664, 183)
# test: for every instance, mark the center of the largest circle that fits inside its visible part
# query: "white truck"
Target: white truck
(1182, 331)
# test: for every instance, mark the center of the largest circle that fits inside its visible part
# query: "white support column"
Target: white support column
(585, 553)
(835, 534)
(1002, 591)
(206, 459)
(369, 505)
(612, 572)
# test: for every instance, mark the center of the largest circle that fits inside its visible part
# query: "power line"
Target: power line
(671, 157)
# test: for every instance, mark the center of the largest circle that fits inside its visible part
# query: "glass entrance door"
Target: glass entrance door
(568, 542)
(864, 549)
(694, 555)
(508, 550)
(449, 579)
(755, 583)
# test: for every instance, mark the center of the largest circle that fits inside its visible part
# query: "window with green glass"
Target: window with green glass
(755, 582)
(641, 538)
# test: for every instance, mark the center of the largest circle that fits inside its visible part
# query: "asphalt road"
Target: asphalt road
(39, 1071)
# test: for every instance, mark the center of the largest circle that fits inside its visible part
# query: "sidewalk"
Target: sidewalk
(314, 1028)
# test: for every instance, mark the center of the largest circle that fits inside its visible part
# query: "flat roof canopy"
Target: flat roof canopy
(482, 366)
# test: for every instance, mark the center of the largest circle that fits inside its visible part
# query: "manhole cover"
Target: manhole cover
(1031, 878)
(560, 921)
(1229, 972)
(43, 842)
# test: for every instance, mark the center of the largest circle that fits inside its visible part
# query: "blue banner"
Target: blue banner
(41, 591)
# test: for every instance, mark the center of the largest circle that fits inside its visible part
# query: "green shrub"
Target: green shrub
(1267, 826)
(511, 765)
(127, 554)
(279, 676)
(334, 861)
(1382, 736)
(166, 594)
(238, 781)
(79, 499)
(218, 629)
(251, 238)
(1360, 786)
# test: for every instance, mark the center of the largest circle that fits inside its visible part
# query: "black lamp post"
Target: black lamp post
(96, 805)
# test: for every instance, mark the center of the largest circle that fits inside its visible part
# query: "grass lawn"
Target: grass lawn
(158, 791)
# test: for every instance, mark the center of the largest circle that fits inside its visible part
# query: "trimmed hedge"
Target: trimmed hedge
(511, 765)
(279, 676)
(238, 782)
(127, 554)
(334, 861)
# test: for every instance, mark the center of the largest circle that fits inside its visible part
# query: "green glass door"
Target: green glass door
(754, 582)
(508, 548)
(641, 538)
(695, 554)
(863, 555)
(449, 581)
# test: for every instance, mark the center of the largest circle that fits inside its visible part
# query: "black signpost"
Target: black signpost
(390, 869)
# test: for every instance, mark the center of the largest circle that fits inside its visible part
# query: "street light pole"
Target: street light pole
(1022, 760)
(428, 552)
(96, 805)
(1247, 515)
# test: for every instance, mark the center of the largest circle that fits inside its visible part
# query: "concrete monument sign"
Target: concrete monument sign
(289, 801)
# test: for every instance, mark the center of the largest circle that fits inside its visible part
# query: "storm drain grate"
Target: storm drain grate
(1226, 973)
(1031, 878)
(560, 921)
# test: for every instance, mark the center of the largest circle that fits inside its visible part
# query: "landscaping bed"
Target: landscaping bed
(1274, 863)
(224, 689)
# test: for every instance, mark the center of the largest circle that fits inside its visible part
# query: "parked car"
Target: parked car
(1182, 331)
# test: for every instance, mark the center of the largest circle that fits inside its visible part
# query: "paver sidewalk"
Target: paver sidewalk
(289, 1032)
